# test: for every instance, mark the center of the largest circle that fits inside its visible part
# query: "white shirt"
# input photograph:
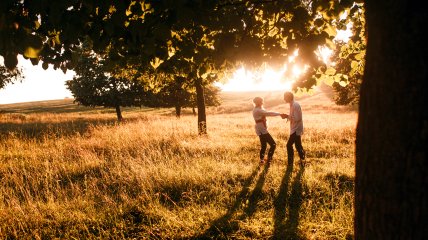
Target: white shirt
(295, 118)
(258, 114)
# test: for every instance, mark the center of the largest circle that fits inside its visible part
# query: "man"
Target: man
(296, 128)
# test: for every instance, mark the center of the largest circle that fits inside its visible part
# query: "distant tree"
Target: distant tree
(179, 94)
(97, 84)
(9, 76)
(211, 97)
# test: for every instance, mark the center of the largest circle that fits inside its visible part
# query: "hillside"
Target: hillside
(232, 102)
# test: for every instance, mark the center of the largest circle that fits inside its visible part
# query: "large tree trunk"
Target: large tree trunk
(119, 113)
(391, 191)
(200, 101)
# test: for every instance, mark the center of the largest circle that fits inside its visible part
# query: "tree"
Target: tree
(344, 72)
(392, 132)
(179, 94)
(9, 76)
(350, 61)
(97, 84)
(211, 97)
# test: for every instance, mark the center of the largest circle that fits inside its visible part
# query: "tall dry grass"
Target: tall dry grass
(73, 176)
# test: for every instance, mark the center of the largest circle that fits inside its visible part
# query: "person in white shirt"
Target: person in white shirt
(261, 127)
(296, 128)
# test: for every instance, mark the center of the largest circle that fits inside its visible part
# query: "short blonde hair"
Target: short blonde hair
(258, 101)
(289, 95)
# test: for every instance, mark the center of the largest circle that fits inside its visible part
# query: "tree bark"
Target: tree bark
(178, 111)
(200, 101)
(119, 113)
(391, 182)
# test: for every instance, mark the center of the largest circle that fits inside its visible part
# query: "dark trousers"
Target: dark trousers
(297, 140)
(264, 140)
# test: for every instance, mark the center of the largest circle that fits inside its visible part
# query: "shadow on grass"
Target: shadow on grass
(41, 130)
(286, 227)
(256, 194)
(226, 225)
(60, 106)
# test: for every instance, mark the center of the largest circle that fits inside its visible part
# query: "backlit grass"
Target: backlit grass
(71, 175)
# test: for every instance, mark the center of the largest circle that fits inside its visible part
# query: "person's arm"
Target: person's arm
(269, 114)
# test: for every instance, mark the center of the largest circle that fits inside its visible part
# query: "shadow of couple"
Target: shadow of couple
(287, 200)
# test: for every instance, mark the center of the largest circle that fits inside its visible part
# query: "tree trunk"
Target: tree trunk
(119, 113)
(178, 111)
(391, 182)
(200, 101)
(194, 111)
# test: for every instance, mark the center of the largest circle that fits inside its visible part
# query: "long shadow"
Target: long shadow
(59, 106)
(280, 202)
(256, 194)
(39, 130)
(225, 225)
(286, 228)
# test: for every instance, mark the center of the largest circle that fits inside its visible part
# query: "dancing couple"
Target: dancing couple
(296, 128)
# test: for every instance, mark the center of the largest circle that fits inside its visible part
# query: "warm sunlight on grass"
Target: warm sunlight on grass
(80, 175)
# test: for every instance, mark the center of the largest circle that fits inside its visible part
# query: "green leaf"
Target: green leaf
(156, 63)
(319, 22)
(45, 65)
(360, 56)
(330, 71)
(331, 31)
(337, 78)
(34, 61)
(31, 52)
(328, 80)
(330, 44)
(343, 83)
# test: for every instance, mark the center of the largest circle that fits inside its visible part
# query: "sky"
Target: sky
(38, 84)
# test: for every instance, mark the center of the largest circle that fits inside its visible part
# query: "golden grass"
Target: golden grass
(72, 175)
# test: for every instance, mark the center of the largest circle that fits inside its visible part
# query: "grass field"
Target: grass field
(71, 172)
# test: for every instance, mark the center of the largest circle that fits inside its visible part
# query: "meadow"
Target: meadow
(70, 172)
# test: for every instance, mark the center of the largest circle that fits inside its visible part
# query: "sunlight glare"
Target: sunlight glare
(293, 57)
(297, 71)
(267, 79)
(324, 53)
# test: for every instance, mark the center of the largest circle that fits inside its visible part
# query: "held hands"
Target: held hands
(284, 116)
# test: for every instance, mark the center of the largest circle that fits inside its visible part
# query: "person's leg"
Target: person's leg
(290, 150)
(272, 146)
(263, 144)
(299, 148)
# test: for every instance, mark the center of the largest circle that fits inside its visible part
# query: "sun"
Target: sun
(266, 78)
(270, 79)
